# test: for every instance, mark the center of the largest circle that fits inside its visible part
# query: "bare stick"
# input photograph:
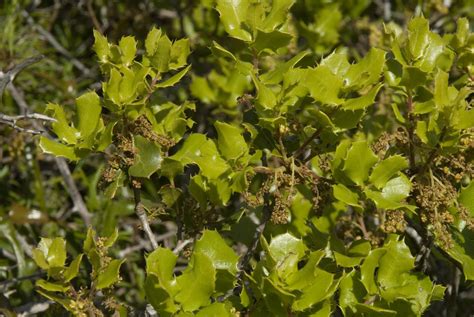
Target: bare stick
(74, 193)
(9, 76)
(57, 46)
(71, 187)
(141, 213)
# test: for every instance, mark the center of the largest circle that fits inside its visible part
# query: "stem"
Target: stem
(307, 142)
(411, 126)
(141, 213)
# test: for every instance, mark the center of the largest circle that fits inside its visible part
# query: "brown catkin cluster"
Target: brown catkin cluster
(141, 126)
(386, 140)
(458, 167)
(434, 202)
(394, 222)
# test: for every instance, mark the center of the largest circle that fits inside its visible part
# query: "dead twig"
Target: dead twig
(9, 76)
(141, 213)
(55, 44)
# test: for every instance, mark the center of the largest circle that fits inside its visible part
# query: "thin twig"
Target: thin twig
(90, 11)
(33, 308)
(63, 167)
(57, 46)
(9, 76)
(307, 142)
(71, 187)
(141, 213)
(181, 245)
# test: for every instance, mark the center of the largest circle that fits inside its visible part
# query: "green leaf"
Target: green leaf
(73, 269)
(271, 41)
(40, 259)
(367, 270)
(57, 149)
(351, 257)
(161, 263)
(463, 251)
(56, 255)
(345, 195)
(147, 158)
(110, 275)
(179, 54)
(386, 169)
(305, 277)
(173, 79)
(441, 97)
(413, 77)
(160, 60)
(232, 14)
(276, 76)
(320, 289)
(215, 310)
(216, 249)
(383, 202)
(364, 101)
(337, 62)
(128, 47)
(230, 141)
(196, 283)
(418, 36)
(367, 71)
(88, 111)
(170, 168)
(8, 232)
(52, 287)
(151, 41)
(265, 96)
(61, 127)
(101, 46)
(359, 161)
(197, 149)
(351, 293)
(219, 50)
(284, 244)
(466, 198)
(278, 14)
(397, 188)
(323, 85)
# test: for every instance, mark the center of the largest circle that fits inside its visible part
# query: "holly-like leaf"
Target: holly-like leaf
(110, 274)
(230, 141)
(323, 85)
(197, 149)
(173, 79)
(128, 48)
(73, 269)
(359, 160)
(196, 283)
(364, 101)
(51, 286)
(88, 112)
(151, 41)
(386, 169)
(101, 46)
(397, 188)
(463, 252)
(418, 36)
(466, 198)
(367, 71)
(216, 249)
(147, 158)
(346, 195)
(233, 14)
(278, 14)
(57, 149)
(271, 41)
